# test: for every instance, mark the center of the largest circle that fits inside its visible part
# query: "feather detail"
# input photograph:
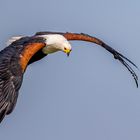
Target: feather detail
(13, 39)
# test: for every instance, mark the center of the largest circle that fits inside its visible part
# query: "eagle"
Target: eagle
(22, 51)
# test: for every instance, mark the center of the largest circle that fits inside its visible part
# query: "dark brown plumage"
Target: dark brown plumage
(12, 67)
(17, 56)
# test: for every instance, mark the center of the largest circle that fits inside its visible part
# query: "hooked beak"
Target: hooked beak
(68, 54)
(67, 51)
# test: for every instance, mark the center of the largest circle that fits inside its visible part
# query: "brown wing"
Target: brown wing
(85, 37)
(116, 54)
(29, 51)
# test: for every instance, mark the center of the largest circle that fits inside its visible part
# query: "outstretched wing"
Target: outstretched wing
(13, 62)
(8, 94)
(85, 37)
(10, 81)
(116, 54)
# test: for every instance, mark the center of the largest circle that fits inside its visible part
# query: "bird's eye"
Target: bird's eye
(65, 48)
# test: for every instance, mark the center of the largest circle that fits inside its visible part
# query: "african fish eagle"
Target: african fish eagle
(25, 50)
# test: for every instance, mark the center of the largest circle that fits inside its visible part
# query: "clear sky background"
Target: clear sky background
(88, 96)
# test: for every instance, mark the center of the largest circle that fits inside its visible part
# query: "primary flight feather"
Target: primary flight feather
(24, 50)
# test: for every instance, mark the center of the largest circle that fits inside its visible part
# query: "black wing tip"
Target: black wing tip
(128, 60)
(2, 114)
(137, 85)
(136, 81)
(115, 53)
(122, 59)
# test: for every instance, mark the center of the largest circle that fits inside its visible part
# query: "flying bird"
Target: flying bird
(24, 50)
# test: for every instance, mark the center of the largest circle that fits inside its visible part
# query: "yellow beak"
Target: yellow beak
(67, 51)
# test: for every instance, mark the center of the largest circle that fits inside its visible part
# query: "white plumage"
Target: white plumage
(12, 39)
(54, 43)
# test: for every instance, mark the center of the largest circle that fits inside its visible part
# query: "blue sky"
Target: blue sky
(88, 95)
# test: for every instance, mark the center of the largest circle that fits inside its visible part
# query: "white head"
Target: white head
(56, 42)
